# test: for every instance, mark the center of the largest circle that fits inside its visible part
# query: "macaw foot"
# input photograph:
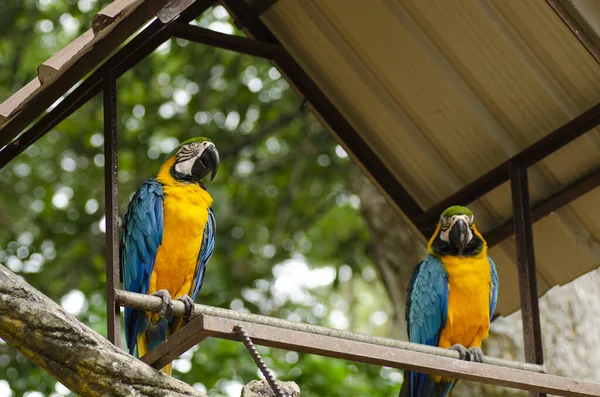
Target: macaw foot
(476, 354)
(167, 302)
(189, 307)
(463, 353)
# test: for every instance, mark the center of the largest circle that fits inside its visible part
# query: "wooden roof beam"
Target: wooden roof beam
(62, 71)
(239, 44)
(128, 56)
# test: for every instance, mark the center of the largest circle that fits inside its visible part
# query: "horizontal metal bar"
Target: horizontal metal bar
(547, 206)
(500, 174)
(239, 44)
(399, 358)
(273, 332)
(153, 304)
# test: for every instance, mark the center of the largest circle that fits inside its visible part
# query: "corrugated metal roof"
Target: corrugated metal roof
(444, 91)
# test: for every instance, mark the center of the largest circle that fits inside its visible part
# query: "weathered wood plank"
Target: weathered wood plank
(14, 103)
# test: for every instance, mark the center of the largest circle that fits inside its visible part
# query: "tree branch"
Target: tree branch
(74, 354)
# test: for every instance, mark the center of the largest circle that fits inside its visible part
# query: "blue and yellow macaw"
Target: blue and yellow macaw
(451, 298)
(168, 237)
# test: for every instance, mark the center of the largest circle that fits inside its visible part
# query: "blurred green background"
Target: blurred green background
(291, 240)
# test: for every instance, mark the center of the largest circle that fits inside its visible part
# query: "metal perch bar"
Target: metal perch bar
(153, 304)
(274, 332)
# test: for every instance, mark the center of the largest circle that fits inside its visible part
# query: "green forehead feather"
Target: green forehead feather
(457, 210)
(197, 139)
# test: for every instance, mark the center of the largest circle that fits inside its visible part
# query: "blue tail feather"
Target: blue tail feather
(140, 324)
(157, 333)
(422, 385)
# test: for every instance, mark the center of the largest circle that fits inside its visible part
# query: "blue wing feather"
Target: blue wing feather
(141, 237)
(426, 314)
(206, 251)
(428, 303)
(494, 286)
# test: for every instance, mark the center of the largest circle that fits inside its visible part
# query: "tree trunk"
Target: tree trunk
(570, 314)
(395, 248)
(74, 354)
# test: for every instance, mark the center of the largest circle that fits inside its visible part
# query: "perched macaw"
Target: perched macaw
(451, 298)
(168, 237)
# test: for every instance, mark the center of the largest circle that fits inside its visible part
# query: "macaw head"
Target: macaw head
(193, 160)
(456, 234)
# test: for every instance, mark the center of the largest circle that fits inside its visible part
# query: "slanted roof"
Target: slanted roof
(441, 93)
(444, 91)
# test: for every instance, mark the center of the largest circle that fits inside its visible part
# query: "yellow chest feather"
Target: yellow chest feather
(469, 283)
(185, 210)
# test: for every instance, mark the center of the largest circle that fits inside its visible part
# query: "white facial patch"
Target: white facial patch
(187, 155)
(185, 167)
(448, 222)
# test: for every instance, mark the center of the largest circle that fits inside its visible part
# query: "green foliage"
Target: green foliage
(291, 242)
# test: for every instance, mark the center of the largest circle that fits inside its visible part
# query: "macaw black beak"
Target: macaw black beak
(207, 162)
(459, 235)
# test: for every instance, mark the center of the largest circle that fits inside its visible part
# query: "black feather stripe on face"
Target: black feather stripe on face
(473, 247)
(184, 154)
(187, 152)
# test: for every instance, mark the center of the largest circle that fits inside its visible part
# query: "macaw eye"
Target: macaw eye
(445, 223)
(471, 219)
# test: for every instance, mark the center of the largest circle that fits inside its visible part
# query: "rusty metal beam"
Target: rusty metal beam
(247, 18)
(153, 304)
(278, 333)
(239, 44)
(561, 8)
(528, 294)
(111, 204)
(547, 206)
(261, 6)
(127, 57)
(500, 174)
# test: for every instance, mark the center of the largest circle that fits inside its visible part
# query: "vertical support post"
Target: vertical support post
(111, 191)
(530, 312)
